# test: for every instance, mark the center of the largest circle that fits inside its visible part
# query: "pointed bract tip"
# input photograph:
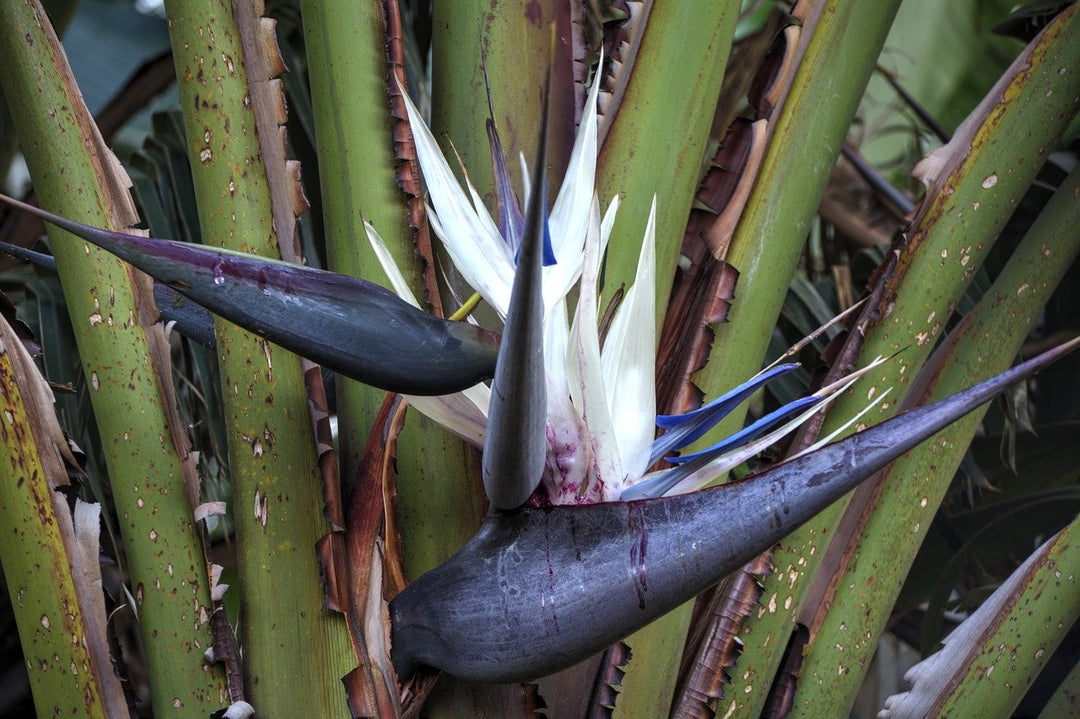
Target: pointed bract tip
(515, 447)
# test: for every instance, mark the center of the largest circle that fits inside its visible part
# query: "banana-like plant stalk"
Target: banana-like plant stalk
(127, 368)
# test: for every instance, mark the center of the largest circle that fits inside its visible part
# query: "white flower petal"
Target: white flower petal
(460, 412)
(393, 273)
(487, 222)
(570, 455)
(526, 181)
(584, 368)
(607, 223)
(556, 342)
(570, 213)
(474, 244)
(629, 361)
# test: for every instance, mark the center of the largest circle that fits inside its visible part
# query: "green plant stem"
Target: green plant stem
(658, 135)
(952, 233)
(60, 13)
(125, 360)
(347, 69)
(739, 346)
(439, 499)
(772, 231)
(272, 463)
(984, 345)
(654, 147)
(53, 602)
(512, 41)
(1039, 607)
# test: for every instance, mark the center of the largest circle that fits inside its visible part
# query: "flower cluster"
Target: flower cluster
(601, 416)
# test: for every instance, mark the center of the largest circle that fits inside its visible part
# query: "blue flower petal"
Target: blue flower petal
(750, 432)
(686, 428)
(690, 464)
(656, 486)
(548, 258)
(549, 251)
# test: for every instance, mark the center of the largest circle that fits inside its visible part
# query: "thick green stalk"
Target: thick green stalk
(347, 68)
(272, 464)
(439, 499)
(984, 176)
(60, 13)
(986, 342)
(841, 54)
(126, 362)
(991, 660)
(513, 42)
(805, 143)
(657, 138)
(54, 597)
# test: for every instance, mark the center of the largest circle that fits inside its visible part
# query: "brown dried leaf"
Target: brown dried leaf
(714, 640)
(408, 169)
(263, 62)
(703, 291)
(621, 49)
(854, 210)
(773, 79)
(373, 685)
(608, 680)
(744, 67)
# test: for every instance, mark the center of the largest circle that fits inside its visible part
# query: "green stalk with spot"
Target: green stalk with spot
(125, 362)
(982, 345)
(439, 498)
(951, 235)
(272, 463)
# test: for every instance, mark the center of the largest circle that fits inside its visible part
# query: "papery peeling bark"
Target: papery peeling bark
(537, 590)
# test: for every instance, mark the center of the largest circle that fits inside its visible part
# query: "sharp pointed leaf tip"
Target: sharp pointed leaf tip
(348, 325)
(444, 619)
(515, 447)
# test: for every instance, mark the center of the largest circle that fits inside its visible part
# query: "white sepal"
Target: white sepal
(628, 361)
